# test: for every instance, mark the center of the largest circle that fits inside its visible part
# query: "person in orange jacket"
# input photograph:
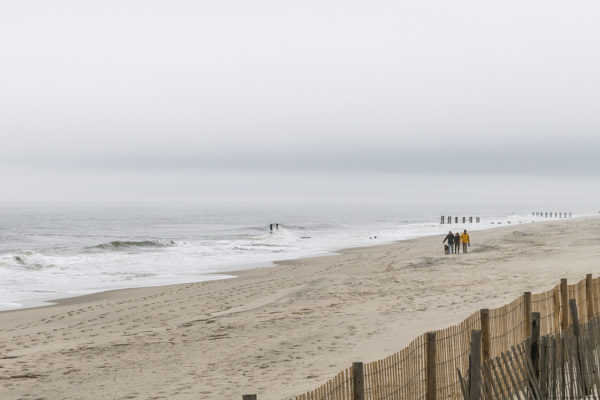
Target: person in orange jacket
(465, 240)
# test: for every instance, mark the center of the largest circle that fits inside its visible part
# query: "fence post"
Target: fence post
(358, 380)
(535, 343)
(431, 378)
(486, 342)
(527, 314)
(475, 369)
(589, 296)
(564, 301)
(249, 397)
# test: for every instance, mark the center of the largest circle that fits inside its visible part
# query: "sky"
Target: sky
(128, 87)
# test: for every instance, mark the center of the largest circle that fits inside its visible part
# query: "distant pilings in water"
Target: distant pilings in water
(271, 226)
(553, 214)
(540, 214)
(448, 219)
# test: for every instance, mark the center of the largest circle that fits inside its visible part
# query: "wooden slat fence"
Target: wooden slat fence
(399, 376)
(546, 304)
(507, 326)
(596, 296)
(406, 375)
(562, 365)
(339, 387)
(452, 352)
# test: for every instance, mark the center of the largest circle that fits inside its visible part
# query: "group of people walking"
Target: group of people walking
(454, 241)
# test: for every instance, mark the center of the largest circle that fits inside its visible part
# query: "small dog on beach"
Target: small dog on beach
(446, 249)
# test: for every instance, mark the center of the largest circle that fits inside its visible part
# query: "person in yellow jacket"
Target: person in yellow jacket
(465, 240)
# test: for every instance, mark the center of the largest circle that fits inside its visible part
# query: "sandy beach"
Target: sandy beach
(281, 330)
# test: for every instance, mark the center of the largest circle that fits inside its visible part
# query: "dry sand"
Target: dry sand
(281, 330)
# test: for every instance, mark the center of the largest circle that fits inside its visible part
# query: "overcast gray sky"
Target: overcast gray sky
(507, 86)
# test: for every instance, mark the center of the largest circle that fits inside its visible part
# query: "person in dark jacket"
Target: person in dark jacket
(450, 238)
(457, 243)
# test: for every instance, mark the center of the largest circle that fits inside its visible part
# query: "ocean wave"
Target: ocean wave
(280, 238)
(26, 259)
(132, 244)
(131, 275)
(293, 227)
(260, 228)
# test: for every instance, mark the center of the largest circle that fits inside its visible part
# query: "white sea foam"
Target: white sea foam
(62, 253)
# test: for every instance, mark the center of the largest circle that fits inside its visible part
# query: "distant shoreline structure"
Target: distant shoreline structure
(555, 214)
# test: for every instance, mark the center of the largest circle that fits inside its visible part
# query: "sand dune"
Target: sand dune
(281, 330)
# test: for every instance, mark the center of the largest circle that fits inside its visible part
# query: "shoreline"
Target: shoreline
(234, 273)
(237, 273)
(280, 330)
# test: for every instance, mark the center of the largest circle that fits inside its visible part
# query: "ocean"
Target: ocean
(64, 250)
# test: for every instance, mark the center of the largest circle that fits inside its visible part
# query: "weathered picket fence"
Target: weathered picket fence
(563, 365)
(426, 368)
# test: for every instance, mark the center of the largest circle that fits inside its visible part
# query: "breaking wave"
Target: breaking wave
(26, 259)
(130, 244)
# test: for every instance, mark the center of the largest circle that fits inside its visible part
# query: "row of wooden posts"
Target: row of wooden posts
(554, 214)
(456, 219)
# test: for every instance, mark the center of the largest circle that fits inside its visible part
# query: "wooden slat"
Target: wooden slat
(553, 354)
(569, 367)
(520, 367)
(544, 366)
(501, 387)
(512, 375)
